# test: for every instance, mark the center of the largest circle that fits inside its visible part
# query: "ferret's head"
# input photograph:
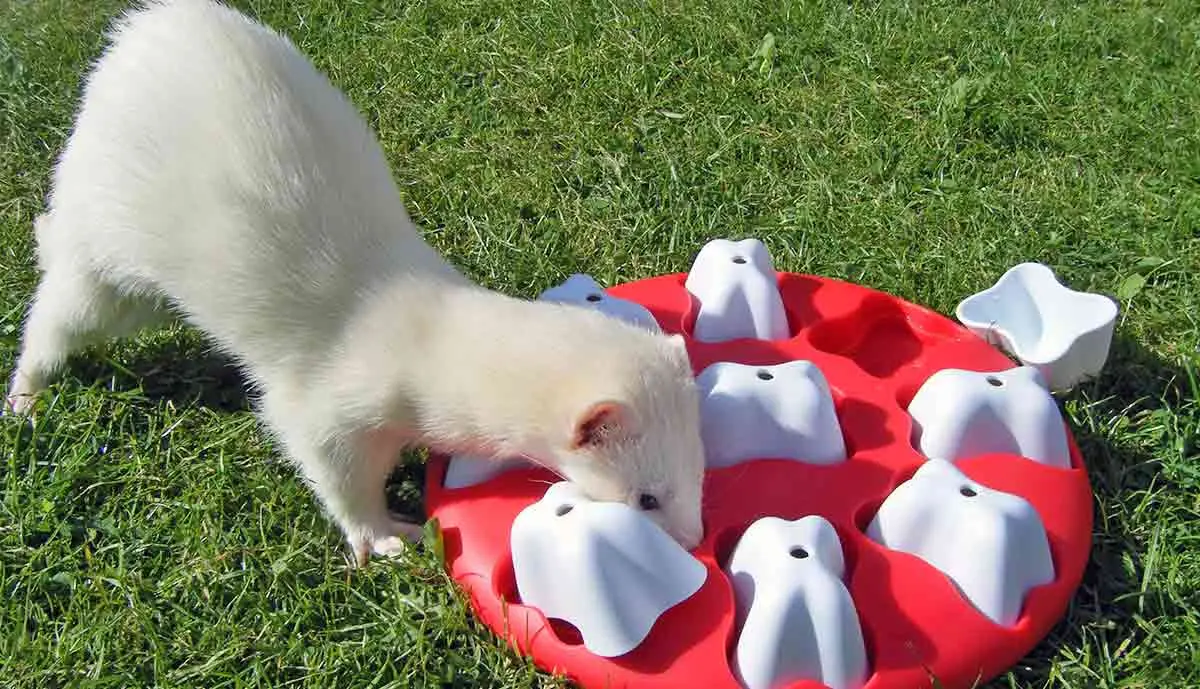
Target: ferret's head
(642, 447)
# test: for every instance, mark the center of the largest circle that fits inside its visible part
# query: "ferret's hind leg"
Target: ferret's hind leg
(72, 307)
(349, 475)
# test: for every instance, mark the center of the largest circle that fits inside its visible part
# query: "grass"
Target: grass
(150, 537)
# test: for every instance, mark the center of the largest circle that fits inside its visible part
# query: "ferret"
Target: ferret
(213, 174)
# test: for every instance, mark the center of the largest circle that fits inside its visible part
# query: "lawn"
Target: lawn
(149, 536)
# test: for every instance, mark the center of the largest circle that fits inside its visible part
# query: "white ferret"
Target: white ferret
(213, 172)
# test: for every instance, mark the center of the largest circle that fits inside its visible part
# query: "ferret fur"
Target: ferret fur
(214, 174)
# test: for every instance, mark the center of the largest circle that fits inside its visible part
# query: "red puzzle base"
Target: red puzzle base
(876, 351)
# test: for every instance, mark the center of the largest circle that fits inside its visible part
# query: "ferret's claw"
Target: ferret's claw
(389, 546)
(18, 405)
(392, 546)
(360, 556)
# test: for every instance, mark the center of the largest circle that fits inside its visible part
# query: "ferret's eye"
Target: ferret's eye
(647, 502)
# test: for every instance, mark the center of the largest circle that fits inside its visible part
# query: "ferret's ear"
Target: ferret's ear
(600, 424)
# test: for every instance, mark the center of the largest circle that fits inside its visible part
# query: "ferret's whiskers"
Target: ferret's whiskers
(535, 461)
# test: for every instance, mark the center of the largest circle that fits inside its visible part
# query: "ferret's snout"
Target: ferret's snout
(691, 540)
(689, 535)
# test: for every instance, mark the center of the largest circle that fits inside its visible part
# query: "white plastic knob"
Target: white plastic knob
(781, 412)
(738, 292)
(463, 471)
(991, 544)
(959, 414)
(604, 567)
(797, 620)
(1030, 314)
(582, 290)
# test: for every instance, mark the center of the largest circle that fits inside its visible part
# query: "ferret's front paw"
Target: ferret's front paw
(18, 404)
(388, 546)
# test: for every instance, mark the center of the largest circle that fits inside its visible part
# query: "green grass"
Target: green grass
(149, 536)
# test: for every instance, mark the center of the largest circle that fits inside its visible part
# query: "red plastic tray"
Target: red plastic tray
(876, 351)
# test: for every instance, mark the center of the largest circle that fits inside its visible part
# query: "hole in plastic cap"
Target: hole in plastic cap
(798, 553)
(739, 260)
(967, 492)
(994, 381)
(765, 375)
(594, 297)
(563, 510)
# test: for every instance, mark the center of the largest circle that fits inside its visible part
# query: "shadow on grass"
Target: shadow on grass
(1112, 596)
(185, 370)
(169, 367)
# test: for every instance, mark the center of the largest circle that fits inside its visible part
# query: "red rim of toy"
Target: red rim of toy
(875, 350)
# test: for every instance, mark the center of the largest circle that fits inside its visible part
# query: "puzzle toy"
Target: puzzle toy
(889, 497)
